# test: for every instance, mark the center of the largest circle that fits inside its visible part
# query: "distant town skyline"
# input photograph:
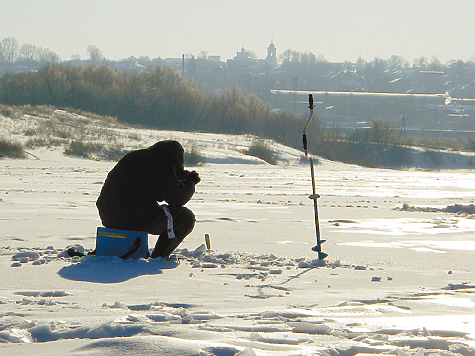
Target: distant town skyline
(339, 30)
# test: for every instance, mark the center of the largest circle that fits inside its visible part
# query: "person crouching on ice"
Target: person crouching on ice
(130, 196)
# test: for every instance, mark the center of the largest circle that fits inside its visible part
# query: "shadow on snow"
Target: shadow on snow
(105, 269)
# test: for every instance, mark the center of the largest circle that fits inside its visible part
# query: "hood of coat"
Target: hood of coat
(170, 152)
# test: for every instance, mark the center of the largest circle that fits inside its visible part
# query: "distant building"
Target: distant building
(129, 67)
(20, 69)
(174, 62)
(460, 105)
(429, 81)
(271, 58)
(242, 58)
(214, 58)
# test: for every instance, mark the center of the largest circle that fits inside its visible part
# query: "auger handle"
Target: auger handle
(310, 106)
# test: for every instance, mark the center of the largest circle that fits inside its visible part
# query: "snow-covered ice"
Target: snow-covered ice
(399, 279)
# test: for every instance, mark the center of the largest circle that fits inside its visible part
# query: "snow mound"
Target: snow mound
(115, 270)
(456, 209)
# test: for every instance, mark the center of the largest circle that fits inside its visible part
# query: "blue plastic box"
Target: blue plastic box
(113, 242)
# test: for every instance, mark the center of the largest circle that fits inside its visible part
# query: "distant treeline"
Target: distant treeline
(159, 97)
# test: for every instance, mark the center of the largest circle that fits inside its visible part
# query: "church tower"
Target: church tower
(271, 58)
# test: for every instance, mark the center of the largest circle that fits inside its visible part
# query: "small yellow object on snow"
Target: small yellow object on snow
(208, 244)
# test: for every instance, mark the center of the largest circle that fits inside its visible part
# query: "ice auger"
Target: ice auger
(318, 247)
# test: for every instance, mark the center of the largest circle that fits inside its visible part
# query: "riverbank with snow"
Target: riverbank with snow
(398, 279)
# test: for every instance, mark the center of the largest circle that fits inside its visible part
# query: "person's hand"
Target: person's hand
(194, 177)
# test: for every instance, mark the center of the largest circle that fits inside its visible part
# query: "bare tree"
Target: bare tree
(203, 55)
(286, 56)
(381, 133)
(435, 63)
(95, 54)
(27, 51)
(397, 62)
(421, 62)
(8, 49)
(46, 55)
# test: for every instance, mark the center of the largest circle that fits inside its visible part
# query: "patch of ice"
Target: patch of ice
(310, 328)
(56, 293)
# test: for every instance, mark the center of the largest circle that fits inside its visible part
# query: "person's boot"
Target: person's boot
(160, 245)
(165, 246)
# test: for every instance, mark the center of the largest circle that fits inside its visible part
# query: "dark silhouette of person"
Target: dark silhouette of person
(130, 196)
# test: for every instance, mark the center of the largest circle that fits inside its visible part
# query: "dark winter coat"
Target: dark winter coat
(142, 178)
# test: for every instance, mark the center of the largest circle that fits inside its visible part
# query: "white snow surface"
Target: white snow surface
(399, 278)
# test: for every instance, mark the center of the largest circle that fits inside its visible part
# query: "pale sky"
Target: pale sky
(337, 29)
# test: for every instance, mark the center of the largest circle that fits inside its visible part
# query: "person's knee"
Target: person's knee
(189, 217)
(187, 221)
(183, 222)
(158, 225)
